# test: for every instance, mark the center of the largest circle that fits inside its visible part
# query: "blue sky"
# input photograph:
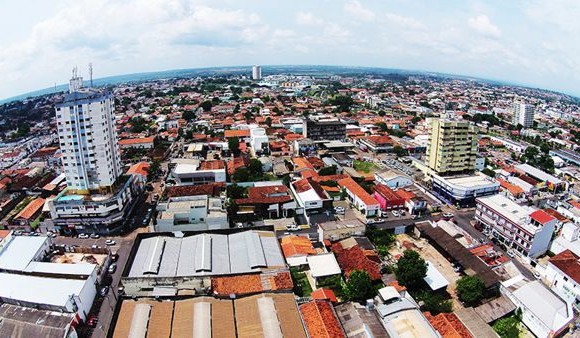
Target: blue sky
(529, 42)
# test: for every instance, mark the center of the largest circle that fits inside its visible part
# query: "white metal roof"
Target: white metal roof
(388, 292)
(434, 278)
(40, 290)
(539, 174)
(20, 251)
(323, 265)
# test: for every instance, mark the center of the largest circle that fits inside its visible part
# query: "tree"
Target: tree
(488, 172)
(241, 175)
(234, 145)
(235, 191)
(358, 287)
(411, 269)
(188, 115)
(382, 126)
(327, 171)
(269, 121)
(255, 167)
(400, 151)
(507, 327)
(470, 289)
(206, 106)
(435, 303)
(154, 169)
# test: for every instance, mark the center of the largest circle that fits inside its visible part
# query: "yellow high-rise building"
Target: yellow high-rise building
(452, 146)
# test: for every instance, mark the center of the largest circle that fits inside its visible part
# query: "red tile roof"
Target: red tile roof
(316, 162)
(31, 209)
(567, 262)
(512, 188)
(448, 325)
(266, 195)
(406, 195)
(237, 133)
(388, 193)
(355, 258)
(141, 168)
(380, 140)
(211, 189)
(293, 245)
(212, 165)
(556, 215)
(541, 216)
(352, 186)
(235, 163)
(320, 320)
(302, 163)
(242, 284)
(140, 140)
(324, 294)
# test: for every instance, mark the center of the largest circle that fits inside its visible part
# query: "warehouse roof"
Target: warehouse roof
(206, 254)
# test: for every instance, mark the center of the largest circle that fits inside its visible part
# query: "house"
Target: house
(320, 320)
(310, 195)
(296, 249)
(324, 294)
(359, 322)
(387, 198)
(448, 325)
(194, 172)
(562, 275)
(414, 204)
(351, 258)
(393, 179)
(361, 199)
(267, 201)
(543, 312)
(26, 217)
(138, 143)
(242, 134)
(323, 266)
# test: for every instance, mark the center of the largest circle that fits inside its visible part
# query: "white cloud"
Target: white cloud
(356, 9)
(404, 21)
(484, 26)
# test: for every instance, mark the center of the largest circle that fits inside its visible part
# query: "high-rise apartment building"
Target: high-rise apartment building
(88, 139)
(256, 72)
(523, 114)
(452, 147)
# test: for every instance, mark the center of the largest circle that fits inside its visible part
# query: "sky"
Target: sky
(529, 42)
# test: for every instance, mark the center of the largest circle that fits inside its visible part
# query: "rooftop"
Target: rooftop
(568, 263)
(323, 265)
(352, 186)
(24, 322)
(320, 320)
(537, 173)
(207, 254)
(358, 322)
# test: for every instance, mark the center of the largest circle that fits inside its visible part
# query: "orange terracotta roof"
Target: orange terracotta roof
(141, 168)
(355, 258)
(293, 245)
(31, 209)
(320, 320)
(212, 165)
(405, 194)
(280, 281)
(302, 163)
(324, 294)
(513, 189)
(567, 262)
(541, 216)
(242, 284)
(352, 186)
(4, 233)
(237, 133)
(448, 325)
(380, 139)
(140, 140)
(266, 195)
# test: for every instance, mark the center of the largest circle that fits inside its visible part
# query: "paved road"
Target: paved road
(108, 303)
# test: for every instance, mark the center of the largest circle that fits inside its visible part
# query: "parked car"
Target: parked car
(447, 215)
(95, 236)
(83, 236)
(114, 257)
(339, 210)
(104, 290)
(92, 321)
(292, 227)
(112, 268)
(511, 253)
(415, 217)
(110, 242)
(395, 213)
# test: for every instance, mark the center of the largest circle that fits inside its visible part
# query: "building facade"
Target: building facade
(523, 114)
(452, 147)
(88, 138)
(323, 128)
(525, 230)
(256, 72)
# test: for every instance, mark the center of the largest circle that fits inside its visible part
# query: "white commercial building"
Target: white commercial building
(526, 230)
(543, 312)
(191, 213)
(392, 179)
(189, 172)
(259, 140)
(88, 138)
(523, 114)
(29, 280)
(324, 265)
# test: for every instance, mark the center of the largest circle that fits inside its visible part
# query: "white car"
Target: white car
(339, 210)
(83, 236)
(395, 213)
(447, 215)
(511, 254)
(110, 242)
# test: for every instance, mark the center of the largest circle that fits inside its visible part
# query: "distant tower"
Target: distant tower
(88, 138)
(523, 114)
(256, 72)
(91, 74)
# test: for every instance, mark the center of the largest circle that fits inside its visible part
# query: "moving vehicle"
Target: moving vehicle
(95, 236)
(92, 321)
(104, 290)
(112, 268)
(447, 215)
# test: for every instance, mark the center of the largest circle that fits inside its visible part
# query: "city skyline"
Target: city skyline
(517, 42)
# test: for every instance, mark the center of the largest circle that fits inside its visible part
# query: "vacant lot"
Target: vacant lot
(363, 166)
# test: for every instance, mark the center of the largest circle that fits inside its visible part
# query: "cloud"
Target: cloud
(484, 26)
(404, 21)
(354, 8)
